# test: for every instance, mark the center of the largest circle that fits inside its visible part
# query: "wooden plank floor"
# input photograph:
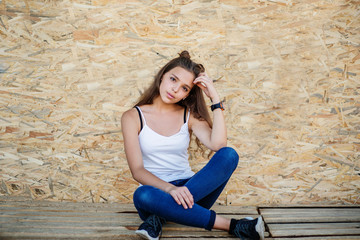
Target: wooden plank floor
(21, 218)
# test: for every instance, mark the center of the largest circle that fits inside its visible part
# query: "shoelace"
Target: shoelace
(244, 228)
(155, 223)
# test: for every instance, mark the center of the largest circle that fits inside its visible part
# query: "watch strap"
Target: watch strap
(217, 105)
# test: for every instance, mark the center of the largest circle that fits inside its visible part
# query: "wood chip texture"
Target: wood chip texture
(288, 72)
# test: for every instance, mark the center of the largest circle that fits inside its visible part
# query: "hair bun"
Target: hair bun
(185, 54)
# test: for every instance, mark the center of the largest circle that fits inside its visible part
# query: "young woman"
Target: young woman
(156, 137)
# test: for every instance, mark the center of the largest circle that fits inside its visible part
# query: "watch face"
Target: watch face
(217, 105)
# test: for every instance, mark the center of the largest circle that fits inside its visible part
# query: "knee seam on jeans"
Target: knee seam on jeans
(211, 220)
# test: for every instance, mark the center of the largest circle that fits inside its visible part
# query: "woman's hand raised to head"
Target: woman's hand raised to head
(182, 196)
(207, 85)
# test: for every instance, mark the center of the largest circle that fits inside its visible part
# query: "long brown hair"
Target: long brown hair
(194, 101)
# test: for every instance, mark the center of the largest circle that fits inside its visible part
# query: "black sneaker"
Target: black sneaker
(249, 229)
(150, 229)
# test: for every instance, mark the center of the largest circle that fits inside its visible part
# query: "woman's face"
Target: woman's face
(176, 84)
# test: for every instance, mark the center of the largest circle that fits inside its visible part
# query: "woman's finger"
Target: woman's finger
(182, 200)
(188, 197)
(176, 198)
(200, 81)
(179, 199)
(187, 200)
(203, 80)
(182, 196)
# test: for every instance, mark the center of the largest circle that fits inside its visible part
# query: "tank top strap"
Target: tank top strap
(188, 116)
(141, 116)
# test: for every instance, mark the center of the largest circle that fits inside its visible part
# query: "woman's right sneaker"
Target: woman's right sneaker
(248, 228)
(151, 228)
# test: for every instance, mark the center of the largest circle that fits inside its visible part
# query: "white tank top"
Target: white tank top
(166, 157)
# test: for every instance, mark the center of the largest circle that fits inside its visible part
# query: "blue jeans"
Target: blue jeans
(205, 186)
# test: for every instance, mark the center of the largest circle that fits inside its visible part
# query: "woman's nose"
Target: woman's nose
(175, 88)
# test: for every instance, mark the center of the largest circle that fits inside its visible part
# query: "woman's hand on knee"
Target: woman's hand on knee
(182, 196)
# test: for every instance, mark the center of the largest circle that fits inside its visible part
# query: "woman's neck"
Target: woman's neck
(160, 106)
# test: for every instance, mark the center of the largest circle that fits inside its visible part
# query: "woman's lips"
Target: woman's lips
(170, 96)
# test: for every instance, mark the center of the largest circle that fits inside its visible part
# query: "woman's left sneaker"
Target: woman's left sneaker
(151, 228)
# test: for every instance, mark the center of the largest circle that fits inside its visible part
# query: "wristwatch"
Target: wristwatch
(217, 105)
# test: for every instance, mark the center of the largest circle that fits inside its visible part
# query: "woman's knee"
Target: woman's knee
(229, 157)
(143, 195)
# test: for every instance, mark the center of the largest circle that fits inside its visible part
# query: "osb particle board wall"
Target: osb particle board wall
(288, 72)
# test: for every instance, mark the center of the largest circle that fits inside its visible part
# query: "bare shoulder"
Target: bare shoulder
(129, 115)
(130, 120)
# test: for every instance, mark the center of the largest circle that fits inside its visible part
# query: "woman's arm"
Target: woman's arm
(130, 129)
(216, 137)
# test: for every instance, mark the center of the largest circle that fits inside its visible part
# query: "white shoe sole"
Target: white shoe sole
(260, 228)
(144, 234)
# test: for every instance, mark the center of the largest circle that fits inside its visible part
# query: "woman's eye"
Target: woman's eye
(172, 79)
(185, 89)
